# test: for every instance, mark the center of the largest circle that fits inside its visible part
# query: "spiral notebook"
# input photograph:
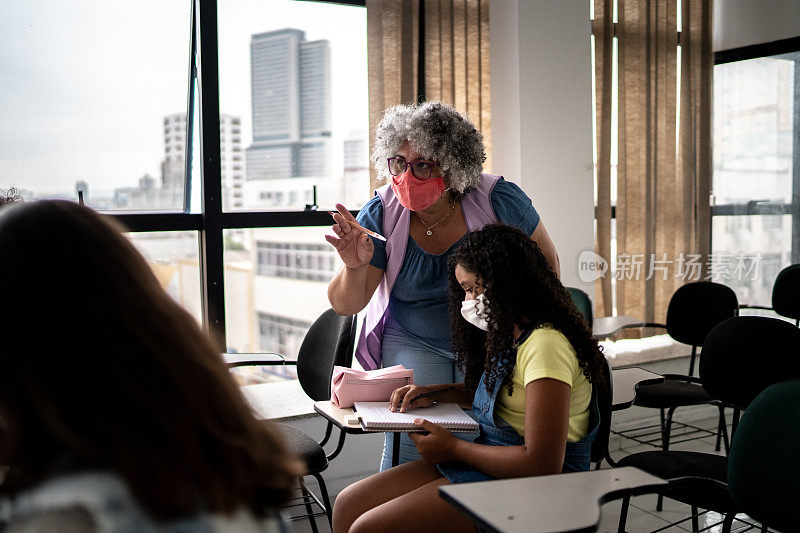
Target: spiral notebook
(376, 416)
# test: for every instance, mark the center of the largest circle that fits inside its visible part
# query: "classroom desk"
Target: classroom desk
(624, 382)
(254, 359)
(338, 416)
(606, 326)
(546, 504)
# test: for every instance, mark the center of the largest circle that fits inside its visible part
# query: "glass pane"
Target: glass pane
(173, 256)
(91, 99)
(753, 123)
(276, 282)
(293, 98)
(748, 252)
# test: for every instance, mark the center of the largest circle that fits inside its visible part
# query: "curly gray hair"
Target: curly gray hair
(439, 133)
(9, 196)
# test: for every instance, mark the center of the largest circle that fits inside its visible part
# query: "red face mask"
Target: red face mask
(416, 194)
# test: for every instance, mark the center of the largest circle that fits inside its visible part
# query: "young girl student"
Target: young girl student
(531, 373)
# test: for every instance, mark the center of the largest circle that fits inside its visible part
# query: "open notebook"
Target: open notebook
(376, 416)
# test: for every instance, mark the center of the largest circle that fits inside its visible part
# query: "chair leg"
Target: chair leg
(695, 520)
(667, 429)
(623, 514)
(323, 489)
(727, 523)
(309, 509)
(666, 426)
(723, 431)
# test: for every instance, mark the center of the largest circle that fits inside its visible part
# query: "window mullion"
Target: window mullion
(795, 254)
(211, 241)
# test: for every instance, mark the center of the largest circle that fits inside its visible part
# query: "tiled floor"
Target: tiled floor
(642, 515)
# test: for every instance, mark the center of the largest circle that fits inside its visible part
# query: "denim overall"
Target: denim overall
(497, 432)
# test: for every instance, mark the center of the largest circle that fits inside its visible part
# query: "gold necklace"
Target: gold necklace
(430, 228)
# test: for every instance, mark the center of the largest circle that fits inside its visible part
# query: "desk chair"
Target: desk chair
(785, 294)
(694, 310)
(604, 401)
(729, 375)
(329, 341)
(583, 303)
(600, 444)
(763, 467)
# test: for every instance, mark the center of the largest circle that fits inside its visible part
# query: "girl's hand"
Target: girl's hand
(438, 446)
(353, 245)
(403, 398)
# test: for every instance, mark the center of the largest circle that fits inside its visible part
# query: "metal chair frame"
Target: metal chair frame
(306, 497)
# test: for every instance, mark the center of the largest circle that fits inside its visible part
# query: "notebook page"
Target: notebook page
(376, 415)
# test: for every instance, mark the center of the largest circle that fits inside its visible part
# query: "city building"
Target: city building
(356, 169)
(173, 167)
(146, 195)
(290, 84)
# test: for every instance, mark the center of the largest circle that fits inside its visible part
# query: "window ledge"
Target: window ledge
(629, 352)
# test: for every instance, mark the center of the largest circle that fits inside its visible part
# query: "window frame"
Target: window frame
(210, 223)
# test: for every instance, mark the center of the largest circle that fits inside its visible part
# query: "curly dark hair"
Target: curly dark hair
(520, 288)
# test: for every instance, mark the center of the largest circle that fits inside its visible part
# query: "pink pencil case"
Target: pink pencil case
(349, 385)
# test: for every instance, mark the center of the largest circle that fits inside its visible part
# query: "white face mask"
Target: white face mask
(473, 312)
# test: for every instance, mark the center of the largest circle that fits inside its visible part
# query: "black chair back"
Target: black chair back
(786, 292)
(696, 308)
(744, 355)
(763, 466)
(604, 397)
(583, 303)
(330, 341)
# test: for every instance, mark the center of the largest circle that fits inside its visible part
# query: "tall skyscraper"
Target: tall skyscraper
(290, 80)
(231, 157)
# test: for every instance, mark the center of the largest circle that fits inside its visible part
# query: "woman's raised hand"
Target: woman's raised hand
(353, 245)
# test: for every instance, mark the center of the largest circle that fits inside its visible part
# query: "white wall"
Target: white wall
(542, 116)
(740, 23)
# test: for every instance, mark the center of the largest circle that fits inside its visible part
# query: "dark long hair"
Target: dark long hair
(101, 369)
(520, 288)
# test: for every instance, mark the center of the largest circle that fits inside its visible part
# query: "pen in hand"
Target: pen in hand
(362, 228)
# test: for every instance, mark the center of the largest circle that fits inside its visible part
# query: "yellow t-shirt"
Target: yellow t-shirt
(546, 353)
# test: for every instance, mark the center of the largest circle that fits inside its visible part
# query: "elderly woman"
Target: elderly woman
(432, 158)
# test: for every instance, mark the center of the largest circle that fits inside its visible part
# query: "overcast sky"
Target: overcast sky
(85, 84)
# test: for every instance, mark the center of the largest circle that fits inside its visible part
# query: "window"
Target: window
(281, 334)
(125, 145)
(309, 262)
(280, 272)
(77, 100)
(756, 181)
(296, 82)
(173, 257)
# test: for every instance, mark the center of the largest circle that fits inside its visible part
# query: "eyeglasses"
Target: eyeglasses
(420, 169)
